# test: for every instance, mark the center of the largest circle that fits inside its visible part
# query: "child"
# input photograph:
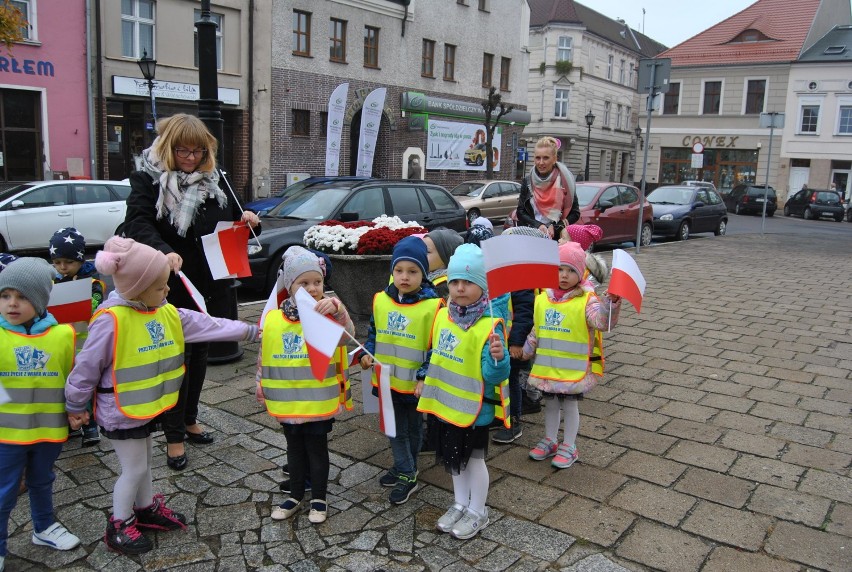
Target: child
(36, 355)
(67, 252)
(133, 360)
(305, 407)
(441, 243)
(399, 338)
(468, 364)
(566, 342)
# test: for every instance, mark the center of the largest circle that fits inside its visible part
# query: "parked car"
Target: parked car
(491, 199)
(31, 212)
(705, 184)
(745, 199)
(615, 208)
(263, 206)
(680, 211)
(811, 203)
(430, 205)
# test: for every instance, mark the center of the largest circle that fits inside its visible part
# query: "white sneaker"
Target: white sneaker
(56, 536)
(450, 518)
(470, 524)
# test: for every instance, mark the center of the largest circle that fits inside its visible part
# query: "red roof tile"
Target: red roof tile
(786, 22)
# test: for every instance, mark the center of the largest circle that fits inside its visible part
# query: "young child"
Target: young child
(441, 243)
(399, 338)
(67, 253)
(305, 407)
(566, 342)
(36, 355)
(133, 361)
(467, 365)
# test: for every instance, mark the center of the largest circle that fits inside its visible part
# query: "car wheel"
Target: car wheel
(479, 161)
(808, 214)
(838, 218)
(786, 210)
(472, 215)
(646, 235)
(770, 213)
(736, 209)
(683, 231)
(849, 215)
(721, 228)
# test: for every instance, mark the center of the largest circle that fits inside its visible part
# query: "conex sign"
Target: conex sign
(710, 141)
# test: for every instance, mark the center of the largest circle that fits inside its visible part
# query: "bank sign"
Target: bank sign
(169, 90)
(460, 146)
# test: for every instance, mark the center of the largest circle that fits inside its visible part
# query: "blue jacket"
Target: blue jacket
(40, 325)
(493, 373)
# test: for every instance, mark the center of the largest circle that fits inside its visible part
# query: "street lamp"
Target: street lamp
(638, 133)
(149, 71)
(590, 118)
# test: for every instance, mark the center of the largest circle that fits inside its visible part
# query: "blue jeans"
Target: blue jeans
(515, 389)
(409, 433)
(38, 459)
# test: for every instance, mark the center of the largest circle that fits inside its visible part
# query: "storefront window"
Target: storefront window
(20, 134)
(722, 167)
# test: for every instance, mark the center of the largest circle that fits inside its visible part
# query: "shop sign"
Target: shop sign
(169, 90)
(710, 141)
(422, 103)
(460, 146)
(29, 67)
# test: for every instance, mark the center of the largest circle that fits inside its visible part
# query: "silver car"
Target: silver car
(494, 200)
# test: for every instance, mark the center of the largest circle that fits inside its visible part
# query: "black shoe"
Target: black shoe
(495, 424)
(287, 489)
(178, 463)
(91, 437)
(505, 436)
(74, 432)
(203, 438)
(530, 406)
(123, 537)
(389, 479)
(402, 491)
(286, 469)
(159, 516)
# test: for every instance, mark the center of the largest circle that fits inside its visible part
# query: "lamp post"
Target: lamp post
(590, 118)
(149, 71)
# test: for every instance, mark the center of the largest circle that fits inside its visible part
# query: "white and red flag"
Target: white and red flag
(626, 280)
(276, 297)
(322, 334)
(516, 262)
(226, 249)
(71, 301)
(387, 421)
(193, 292)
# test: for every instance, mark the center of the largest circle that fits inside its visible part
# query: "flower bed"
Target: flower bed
(378, 236)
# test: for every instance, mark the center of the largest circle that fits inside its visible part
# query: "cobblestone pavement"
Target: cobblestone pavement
(720, 440)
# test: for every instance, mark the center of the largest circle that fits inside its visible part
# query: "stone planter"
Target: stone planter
(356, 279)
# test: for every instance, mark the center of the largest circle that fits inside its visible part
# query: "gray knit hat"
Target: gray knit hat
(446, 241)
(297, 261)
(32, 277)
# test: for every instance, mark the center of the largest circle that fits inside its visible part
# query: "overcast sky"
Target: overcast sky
(669, 21)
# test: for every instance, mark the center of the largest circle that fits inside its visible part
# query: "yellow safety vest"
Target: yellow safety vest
(402, 338)
(453, 389)
(289, 386)
(565, 350)
(33, 370)
(148, 368)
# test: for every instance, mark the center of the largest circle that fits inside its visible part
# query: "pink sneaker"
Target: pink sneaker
(545, 448)
(565, 456)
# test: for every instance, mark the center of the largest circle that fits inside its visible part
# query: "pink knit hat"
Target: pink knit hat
(572, 254)
(133, 266)
(585, 234)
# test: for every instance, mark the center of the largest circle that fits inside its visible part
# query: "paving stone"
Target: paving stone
(231, 518)
(701, 432)
(810, 547)
(648, 467)
(651, 501)
(172, 557)
(501, 558)
(226, 496)
(741, 422)
(768, 471)
(727, 402)
(589, 520)
(689, 411)
(701, 455)
(21, 545)
(437, 559)
(221, 474)
(678, 393)
(244, 460)
(735, 527)
(528, 537)
(640, 401)
(599, 410)
(308, 537)
(663, 548)
(514, 460)
(357, 474)
(529, 500)
(351, 520)
(646, 441)
(596, 563)
(831, 423)
(755, 444)
(729, 491)
(477, 549)
(817, 458)
(803, 435)
(232, 564)
(580, 479)
(725, 559)
(827, 485)
(790, 505)
(400, 538)
(840, 520)
(599, 453)
(637, 418)
(285, 554)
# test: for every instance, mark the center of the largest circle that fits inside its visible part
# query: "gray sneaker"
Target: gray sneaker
(450, 518)
(505, 436)
(470, 524)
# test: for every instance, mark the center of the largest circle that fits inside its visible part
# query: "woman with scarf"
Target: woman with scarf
(175, 199)
(548, 199)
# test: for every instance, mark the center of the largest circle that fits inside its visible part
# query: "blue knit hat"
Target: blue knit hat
(468, 264)
(411, 249)
(477, 234)
(5, 259)
(68, 243)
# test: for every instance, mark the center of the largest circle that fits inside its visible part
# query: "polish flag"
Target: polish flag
(226, 250)
(387, 421)
(71, 301)
(276, 297)
(193, 292)
(626, 280)
(322, 334)
(516, 262)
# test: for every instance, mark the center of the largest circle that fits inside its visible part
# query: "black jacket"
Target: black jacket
(523, 302)
(526, 214)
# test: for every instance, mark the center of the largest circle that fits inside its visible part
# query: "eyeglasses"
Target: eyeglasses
(185, 153)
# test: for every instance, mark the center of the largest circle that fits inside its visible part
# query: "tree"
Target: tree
(12, 23)
(491, 105)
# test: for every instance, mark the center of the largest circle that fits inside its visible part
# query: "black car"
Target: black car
(811, 203)
(680, 211)
(285, 225)
(748, 199)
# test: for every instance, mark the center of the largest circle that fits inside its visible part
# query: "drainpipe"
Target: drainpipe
(250, 191)
(89, 94)
(99, 79)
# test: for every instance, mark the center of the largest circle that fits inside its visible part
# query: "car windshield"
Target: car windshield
(467, 190)
(311, 204)
(828, 197)
(759, 191)
(14, 191)
(295, 187)
(586, 194)
(671, 196)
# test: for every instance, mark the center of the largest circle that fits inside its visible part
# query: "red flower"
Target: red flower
(382, 240)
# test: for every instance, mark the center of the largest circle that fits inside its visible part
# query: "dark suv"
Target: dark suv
(745, 199)
(812, 204)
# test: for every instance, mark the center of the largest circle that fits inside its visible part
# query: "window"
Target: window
(301, 33)
(750, 35)
(607, 108)
(626, 195)
(427, 65)
(564, 49)
(449, 62)
(301, 122)
(52, 196)
(844, 120)
(487, 69)
(137, 28)
(504, 73)
(671, 101)
(91, 194)
(809, 119)
(483, 5)
(218, 18)
(755, 95)
(26, 7)
(627, 118)
(323, 123)
(337, 36)
(610, 194)
(442, 200)
(560, 99)
(367, 203)
(630, 76)
(712, 97)
(609, 67)
(618, 110)
(371, 47)
(20, 135)
(408, 202)
(621, 70)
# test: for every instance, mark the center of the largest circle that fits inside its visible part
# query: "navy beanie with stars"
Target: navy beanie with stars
(6, 259)
(68, 243)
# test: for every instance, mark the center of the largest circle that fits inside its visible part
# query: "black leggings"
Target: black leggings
(185, 412)
(307, 455)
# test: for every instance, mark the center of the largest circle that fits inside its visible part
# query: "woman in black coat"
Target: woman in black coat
(175, 200)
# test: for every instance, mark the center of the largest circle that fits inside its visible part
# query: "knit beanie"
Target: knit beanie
(482, 221)
(133, 266)
(477, 234)
(297, 261)
(6, 259)
(467, 263)
(572, 254)
(446, 241)
(67, 243)
(411, 249)
(525, 231)
(585, 234)
(32, 277)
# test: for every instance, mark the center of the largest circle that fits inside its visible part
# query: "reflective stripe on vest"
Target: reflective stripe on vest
(564, 345)
(453, 388)
(288, 385)
(148, 367)
(33, 370)
(402, 338)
